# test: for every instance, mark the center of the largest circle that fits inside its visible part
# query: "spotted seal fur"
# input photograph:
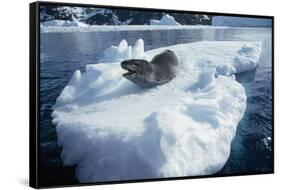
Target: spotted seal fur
(161, 69)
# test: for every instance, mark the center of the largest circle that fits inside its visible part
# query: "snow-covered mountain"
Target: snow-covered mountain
(99, 16)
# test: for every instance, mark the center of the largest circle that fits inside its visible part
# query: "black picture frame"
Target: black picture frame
(35, 180)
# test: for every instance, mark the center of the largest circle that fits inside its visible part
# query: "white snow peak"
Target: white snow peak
(114, 130)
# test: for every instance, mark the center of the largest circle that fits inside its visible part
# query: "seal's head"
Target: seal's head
(161, 69)
(139, 71)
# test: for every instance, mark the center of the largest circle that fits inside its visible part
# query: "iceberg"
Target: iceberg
(165, 20)
(113, 130)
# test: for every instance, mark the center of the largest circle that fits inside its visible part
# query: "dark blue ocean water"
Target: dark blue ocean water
(63, 53)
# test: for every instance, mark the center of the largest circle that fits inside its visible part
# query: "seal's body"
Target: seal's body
(161, 69)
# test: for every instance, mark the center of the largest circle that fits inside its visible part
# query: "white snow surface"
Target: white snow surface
(112, 129)
(165, 20)
(240, 21)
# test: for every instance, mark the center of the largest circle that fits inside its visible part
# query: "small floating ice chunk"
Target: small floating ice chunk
(182, 128)
(165, 20)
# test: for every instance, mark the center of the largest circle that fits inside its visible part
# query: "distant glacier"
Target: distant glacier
(240, 21)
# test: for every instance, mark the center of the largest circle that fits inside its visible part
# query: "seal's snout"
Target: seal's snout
(130, 67)
(128, 64)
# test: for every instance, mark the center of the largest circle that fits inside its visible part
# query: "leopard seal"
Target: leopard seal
(161, 69)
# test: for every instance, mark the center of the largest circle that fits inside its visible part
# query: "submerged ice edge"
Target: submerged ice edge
(113, 130)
